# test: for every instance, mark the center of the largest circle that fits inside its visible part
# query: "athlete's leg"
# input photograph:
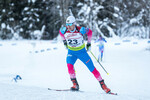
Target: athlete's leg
(71, 59)
(85, 58)
(101, 49)
(97, 74)
(101, 55)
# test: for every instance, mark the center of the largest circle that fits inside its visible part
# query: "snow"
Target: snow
(115, 15)
(42, 65)
(3, 25)
(26, 8)
(133, 20)
(3, 10)
(38, 33)
(24, 19)
(116, 8)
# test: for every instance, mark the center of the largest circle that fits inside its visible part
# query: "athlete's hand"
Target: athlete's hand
(65, 44)
(88, 46)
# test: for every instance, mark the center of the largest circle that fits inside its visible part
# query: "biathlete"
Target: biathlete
(100, 47)
(73, 39)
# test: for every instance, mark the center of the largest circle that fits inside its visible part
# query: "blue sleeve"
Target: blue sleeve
(104, 40)
(83, 30)
(63, 30)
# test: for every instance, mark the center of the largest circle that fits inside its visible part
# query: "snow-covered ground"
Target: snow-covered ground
(42, 65)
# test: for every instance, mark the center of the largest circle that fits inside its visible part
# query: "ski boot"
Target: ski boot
(104, 87)
(75, 86)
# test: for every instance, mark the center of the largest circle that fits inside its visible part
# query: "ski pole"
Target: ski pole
(99, 63)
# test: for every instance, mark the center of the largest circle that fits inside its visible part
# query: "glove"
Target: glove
(88, 47)
(65, 44)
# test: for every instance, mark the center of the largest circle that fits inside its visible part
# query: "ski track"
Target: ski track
(18, 92)
(38, 73)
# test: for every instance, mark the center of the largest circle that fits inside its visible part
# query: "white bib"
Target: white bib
(74, 39)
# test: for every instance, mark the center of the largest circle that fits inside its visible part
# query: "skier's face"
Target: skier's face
(70, 27)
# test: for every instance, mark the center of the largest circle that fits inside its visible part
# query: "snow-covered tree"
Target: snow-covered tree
(22, 18)
(41, 19)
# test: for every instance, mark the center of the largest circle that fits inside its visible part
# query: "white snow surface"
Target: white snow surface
(42, 65)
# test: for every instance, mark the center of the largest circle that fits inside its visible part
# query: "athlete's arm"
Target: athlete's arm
(62, 35)
(87, 31)
(89, 35)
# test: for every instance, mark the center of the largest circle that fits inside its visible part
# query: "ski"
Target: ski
(111, 93)
(64, 90)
